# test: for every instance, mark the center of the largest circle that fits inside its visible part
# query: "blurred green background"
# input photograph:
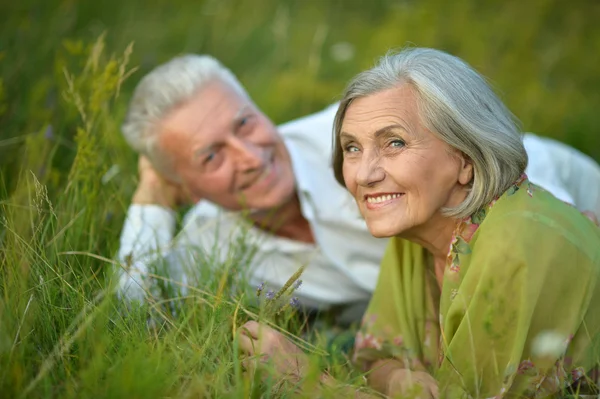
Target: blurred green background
(66, 175)
(294, 56)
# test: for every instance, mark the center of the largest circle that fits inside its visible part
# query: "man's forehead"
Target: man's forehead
(211, 133)
(242, 111)
(215, 106)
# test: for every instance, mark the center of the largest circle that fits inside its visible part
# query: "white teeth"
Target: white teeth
(382, 198)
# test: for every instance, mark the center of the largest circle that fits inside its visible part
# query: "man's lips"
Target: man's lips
(259, 176)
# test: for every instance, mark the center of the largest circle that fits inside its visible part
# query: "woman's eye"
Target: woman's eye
(243, 121)
(351, 148)
(397, 143)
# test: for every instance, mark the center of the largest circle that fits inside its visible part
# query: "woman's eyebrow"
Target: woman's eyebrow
(347, 136)
(384, 131)
(378, 133)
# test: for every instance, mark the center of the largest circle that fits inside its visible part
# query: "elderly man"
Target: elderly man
(204, 142)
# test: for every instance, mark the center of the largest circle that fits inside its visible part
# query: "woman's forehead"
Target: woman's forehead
(393, 107)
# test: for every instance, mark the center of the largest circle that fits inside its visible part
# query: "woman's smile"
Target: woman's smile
(377, 201)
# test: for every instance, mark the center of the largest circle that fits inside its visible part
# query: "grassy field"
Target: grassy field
(67, 71)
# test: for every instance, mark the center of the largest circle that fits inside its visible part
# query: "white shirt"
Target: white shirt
(567, 173)
(343, 266)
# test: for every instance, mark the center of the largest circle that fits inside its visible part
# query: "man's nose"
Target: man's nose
(369, 170)
(249, 156)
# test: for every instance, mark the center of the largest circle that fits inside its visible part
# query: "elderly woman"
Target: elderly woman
(490, 285)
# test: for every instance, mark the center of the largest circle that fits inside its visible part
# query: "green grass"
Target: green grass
(62, 333)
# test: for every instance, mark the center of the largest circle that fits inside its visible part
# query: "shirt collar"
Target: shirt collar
(319, 192)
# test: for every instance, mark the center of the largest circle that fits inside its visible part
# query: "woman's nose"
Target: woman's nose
(369, 171)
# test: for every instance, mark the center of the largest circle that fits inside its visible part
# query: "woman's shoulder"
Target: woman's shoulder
(529, 216)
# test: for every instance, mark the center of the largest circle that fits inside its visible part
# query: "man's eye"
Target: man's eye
(210, 157)
(244, 121)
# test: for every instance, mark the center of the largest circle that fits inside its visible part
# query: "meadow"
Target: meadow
(66, 175)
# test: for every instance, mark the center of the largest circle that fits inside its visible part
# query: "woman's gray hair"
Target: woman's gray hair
(163, 89)
(455, 103)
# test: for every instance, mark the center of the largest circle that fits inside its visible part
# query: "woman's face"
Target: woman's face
(400, 174)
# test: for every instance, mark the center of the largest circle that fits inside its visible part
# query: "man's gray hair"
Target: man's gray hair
(455, 103)
(164, 88)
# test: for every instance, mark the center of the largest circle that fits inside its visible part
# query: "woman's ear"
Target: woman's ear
(465, 175)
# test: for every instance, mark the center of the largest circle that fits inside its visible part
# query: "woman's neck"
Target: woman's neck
(436, 238)
(436, 234)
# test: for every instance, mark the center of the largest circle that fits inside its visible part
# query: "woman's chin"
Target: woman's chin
(379, 231)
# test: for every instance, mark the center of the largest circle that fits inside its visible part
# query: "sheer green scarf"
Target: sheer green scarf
(519, 310)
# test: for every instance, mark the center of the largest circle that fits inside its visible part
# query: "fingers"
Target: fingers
(248, 365)
(590, 215)
(146, 170)
(246, 344)
(251, 329)
(143, 162)
(249, 342)
(428, 382)
(255, 330)
(435, 391)
(262, 346)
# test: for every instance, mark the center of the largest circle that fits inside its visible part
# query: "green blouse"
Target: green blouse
(519, 310)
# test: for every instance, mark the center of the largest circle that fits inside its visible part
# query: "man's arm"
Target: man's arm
(146, 235)
(567, 173)
(148, 230)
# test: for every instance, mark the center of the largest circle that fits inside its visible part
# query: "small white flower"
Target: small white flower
(549, 344)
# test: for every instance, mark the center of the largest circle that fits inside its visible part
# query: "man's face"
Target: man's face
(226, 151)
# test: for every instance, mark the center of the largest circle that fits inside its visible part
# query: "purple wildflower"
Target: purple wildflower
(259, 289)
(295, 303)
(270, 294)
(49, 133)
(297, 284)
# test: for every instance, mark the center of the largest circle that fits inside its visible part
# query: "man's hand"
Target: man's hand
(153, 189)
(287, 359)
